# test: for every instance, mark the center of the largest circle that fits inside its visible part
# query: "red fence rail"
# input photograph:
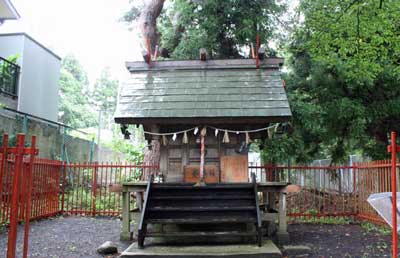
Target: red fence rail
(94, 189)
(326, 191)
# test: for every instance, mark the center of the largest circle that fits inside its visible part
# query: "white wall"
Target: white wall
(12, 45)
(40, 73)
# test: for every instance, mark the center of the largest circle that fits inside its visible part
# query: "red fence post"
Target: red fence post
(355, 188)
(94, 188)
(12, 235)
(64, 176)
(393, 148)
(29, 195)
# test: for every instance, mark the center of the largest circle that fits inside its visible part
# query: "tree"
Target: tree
(104, 95)
(222, 27)
(343, 83)
(73, 106)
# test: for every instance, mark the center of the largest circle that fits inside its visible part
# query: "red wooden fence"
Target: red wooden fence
(93, 189)
(89, 189)
(16, 188)
(32, 188)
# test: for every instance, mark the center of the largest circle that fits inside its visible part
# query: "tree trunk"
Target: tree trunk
(148, 22)
(151, 158)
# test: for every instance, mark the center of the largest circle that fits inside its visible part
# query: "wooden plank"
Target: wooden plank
(195, 197)
(270, 217)
(204, 209)
(234, 169)
(200, 233)
(205, 220)
(192, 174)
(203, 65)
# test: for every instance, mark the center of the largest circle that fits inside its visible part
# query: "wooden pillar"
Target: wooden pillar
(126, 224)
(202, 156)
(283, 235)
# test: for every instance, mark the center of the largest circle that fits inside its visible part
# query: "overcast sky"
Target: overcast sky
(88, 29)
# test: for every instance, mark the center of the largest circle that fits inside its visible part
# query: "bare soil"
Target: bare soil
(78, 237)
(341, 241)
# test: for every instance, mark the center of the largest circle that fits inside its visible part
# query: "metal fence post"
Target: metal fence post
(12, 235)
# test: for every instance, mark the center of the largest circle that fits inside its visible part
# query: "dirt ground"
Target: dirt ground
(347, 241)
(73, 237)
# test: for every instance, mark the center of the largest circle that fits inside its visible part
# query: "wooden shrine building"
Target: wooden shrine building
(174, 96)
(204, 114)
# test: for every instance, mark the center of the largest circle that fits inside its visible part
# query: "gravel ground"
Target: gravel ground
(67, 237)
(73, 237)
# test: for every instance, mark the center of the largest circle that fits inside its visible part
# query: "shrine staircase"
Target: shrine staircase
(212, 210)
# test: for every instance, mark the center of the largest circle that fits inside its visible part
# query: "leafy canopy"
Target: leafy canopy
(343, 83)
(74, 95)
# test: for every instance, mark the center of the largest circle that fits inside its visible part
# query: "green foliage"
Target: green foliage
(222, 27)
(73, 106)
(343, 82)
(8, 75)
(369, 227)
(104, 95)
(133, 148)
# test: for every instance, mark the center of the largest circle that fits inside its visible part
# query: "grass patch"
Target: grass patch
(369, 227)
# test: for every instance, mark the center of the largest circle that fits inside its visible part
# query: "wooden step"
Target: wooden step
(201, 220)
(207, 197)
(199, 188)
(199, 208)
(201, 234)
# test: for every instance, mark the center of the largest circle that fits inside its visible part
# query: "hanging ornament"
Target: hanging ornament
(164, 140)
(216, 132)
(270, 132)
(196, 130)
(226, 137)
(174, 137)
(248, 140)
(185, 138)
(203, 131)
(276, 128)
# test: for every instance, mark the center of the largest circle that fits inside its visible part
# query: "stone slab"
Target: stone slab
(296, 249)
(268, 249)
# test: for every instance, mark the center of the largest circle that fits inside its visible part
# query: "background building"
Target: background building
(33, 86)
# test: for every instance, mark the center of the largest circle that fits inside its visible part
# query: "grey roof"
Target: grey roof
(205, 93)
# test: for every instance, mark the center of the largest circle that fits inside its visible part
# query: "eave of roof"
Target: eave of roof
(33, 40)
(11, 11)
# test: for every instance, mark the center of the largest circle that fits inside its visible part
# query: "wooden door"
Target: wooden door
(234, 169)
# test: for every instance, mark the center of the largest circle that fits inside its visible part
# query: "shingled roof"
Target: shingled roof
(187, 90)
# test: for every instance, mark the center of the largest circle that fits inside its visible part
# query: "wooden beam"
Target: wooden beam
(140, 66)
(203, 120)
